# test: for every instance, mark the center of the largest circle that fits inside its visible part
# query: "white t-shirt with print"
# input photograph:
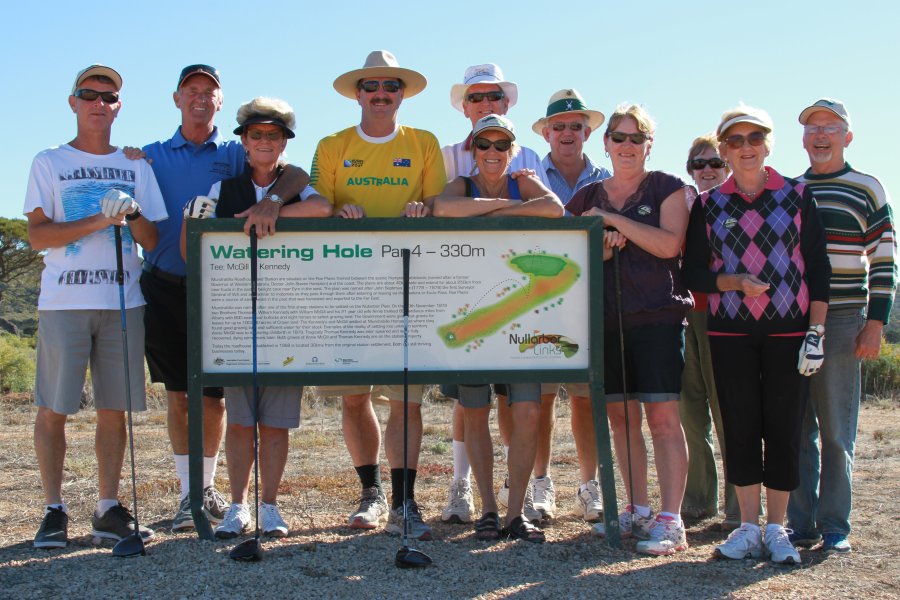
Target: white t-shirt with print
(68, 184)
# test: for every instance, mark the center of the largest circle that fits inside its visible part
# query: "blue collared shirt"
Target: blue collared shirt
(559, 185)
(184, 170)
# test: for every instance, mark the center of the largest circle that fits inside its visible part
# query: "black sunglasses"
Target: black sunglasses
(477, 97)
(698, 164)
(636, 138)
(390, 86)
(90, 95)
(571, 126)
(484, 143)
(737, 141)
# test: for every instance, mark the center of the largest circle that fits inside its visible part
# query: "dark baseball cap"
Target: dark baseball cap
(207, 70)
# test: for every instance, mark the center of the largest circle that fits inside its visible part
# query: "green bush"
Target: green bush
(881, 376)
(16, 363)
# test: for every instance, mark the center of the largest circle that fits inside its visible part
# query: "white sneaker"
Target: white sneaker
(780, 548)
(588, 504)
(418, 528)
(528, 510)
(666, 537)
(544, 496)
(460, 503)
(638, 527)
(272, 524)
(503, 494)
(236, 522)
(743, 542)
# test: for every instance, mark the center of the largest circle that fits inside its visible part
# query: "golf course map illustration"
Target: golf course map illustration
(547, 276)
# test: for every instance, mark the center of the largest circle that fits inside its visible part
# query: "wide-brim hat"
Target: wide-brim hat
(568, 101)
(264, 120)
(380, 63)
(95, 71)
(494, 123)
(835, 107)
(488, 73)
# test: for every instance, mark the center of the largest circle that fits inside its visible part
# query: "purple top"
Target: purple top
(652, 291)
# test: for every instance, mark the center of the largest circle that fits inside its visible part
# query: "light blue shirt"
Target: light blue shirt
(184, 170)
(559, 185)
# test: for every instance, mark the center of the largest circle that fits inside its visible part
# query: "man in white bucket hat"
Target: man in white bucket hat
(380, 169)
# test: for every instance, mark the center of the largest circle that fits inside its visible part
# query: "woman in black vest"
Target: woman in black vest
(265, 125)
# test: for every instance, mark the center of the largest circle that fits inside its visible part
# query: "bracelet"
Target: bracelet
(134, 216)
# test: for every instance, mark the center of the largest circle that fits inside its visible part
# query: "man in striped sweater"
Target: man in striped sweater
(856, 212)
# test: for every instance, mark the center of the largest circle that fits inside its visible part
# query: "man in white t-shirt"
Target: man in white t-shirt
(77, 194)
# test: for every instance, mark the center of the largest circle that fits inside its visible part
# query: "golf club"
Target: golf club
(618, 277)
(251, 550)
(133, 545)
(407, 558)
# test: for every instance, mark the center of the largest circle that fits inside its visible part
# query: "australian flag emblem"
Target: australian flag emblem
(401, 162)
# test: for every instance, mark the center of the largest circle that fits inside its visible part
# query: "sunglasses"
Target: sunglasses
(477, 97)
(636, 138)
(90, 95)
(737, 141)
(499, 145)
(272, 136)
(698, 164)
(571, 126)
(826, 129)
(390, 86)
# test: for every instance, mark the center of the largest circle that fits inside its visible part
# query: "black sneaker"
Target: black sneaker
(214, 505)
(117, 523)
(54, 531)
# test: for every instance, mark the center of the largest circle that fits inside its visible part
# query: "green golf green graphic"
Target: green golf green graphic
(547, 276)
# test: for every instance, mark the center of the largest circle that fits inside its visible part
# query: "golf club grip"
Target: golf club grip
(120, 270)
(405, 253)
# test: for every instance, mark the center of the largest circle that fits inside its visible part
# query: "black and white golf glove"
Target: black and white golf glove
(812, 354)
(200, 207)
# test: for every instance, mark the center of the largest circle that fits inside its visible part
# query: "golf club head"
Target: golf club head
(410, 558)
(247, 551)
(133, 545)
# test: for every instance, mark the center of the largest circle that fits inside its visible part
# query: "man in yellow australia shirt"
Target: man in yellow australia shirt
(380, 169)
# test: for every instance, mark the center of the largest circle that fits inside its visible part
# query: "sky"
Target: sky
(686, 62)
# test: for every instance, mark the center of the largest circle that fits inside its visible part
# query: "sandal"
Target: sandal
(487, 528)
(523, 529)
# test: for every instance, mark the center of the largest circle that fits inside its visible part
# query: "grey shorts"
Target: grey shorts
(279, 405)
(479, 396)
(70, 340)
(579, 389)
(391, 392)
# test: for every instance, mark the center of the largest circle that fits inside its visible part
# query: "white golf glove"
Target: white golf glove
(200, 207)
(812, 354)
(115, 202)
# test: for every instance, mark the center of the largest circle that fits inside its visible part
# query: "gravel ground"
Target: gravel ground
(325, 559)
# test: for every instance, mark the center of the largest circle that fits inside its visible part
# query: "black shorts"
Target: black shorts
(654, 360)
(165, 326)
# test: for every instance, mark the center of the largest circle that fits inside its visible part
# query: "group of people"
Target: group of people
(717, 299)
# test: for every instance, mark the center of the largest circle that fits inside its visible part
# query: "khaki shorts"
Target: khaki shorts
(579, 389)
(70, 340)
(391, 392)
(279, 405)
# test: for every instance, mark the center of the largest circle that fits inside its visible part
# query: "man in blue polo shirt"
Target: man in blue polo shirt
(185, 166)
(566, 127)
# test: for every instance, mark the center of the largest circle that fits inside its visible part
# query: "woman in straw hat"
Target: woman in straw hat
(265, 125)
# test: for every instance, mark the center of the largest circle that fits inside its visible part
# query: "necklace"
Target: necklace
(753, 195)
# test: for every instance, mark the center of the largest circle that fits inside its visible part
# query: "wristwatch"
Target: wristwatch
(819, 330)
(274, 198)
(134, 216)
